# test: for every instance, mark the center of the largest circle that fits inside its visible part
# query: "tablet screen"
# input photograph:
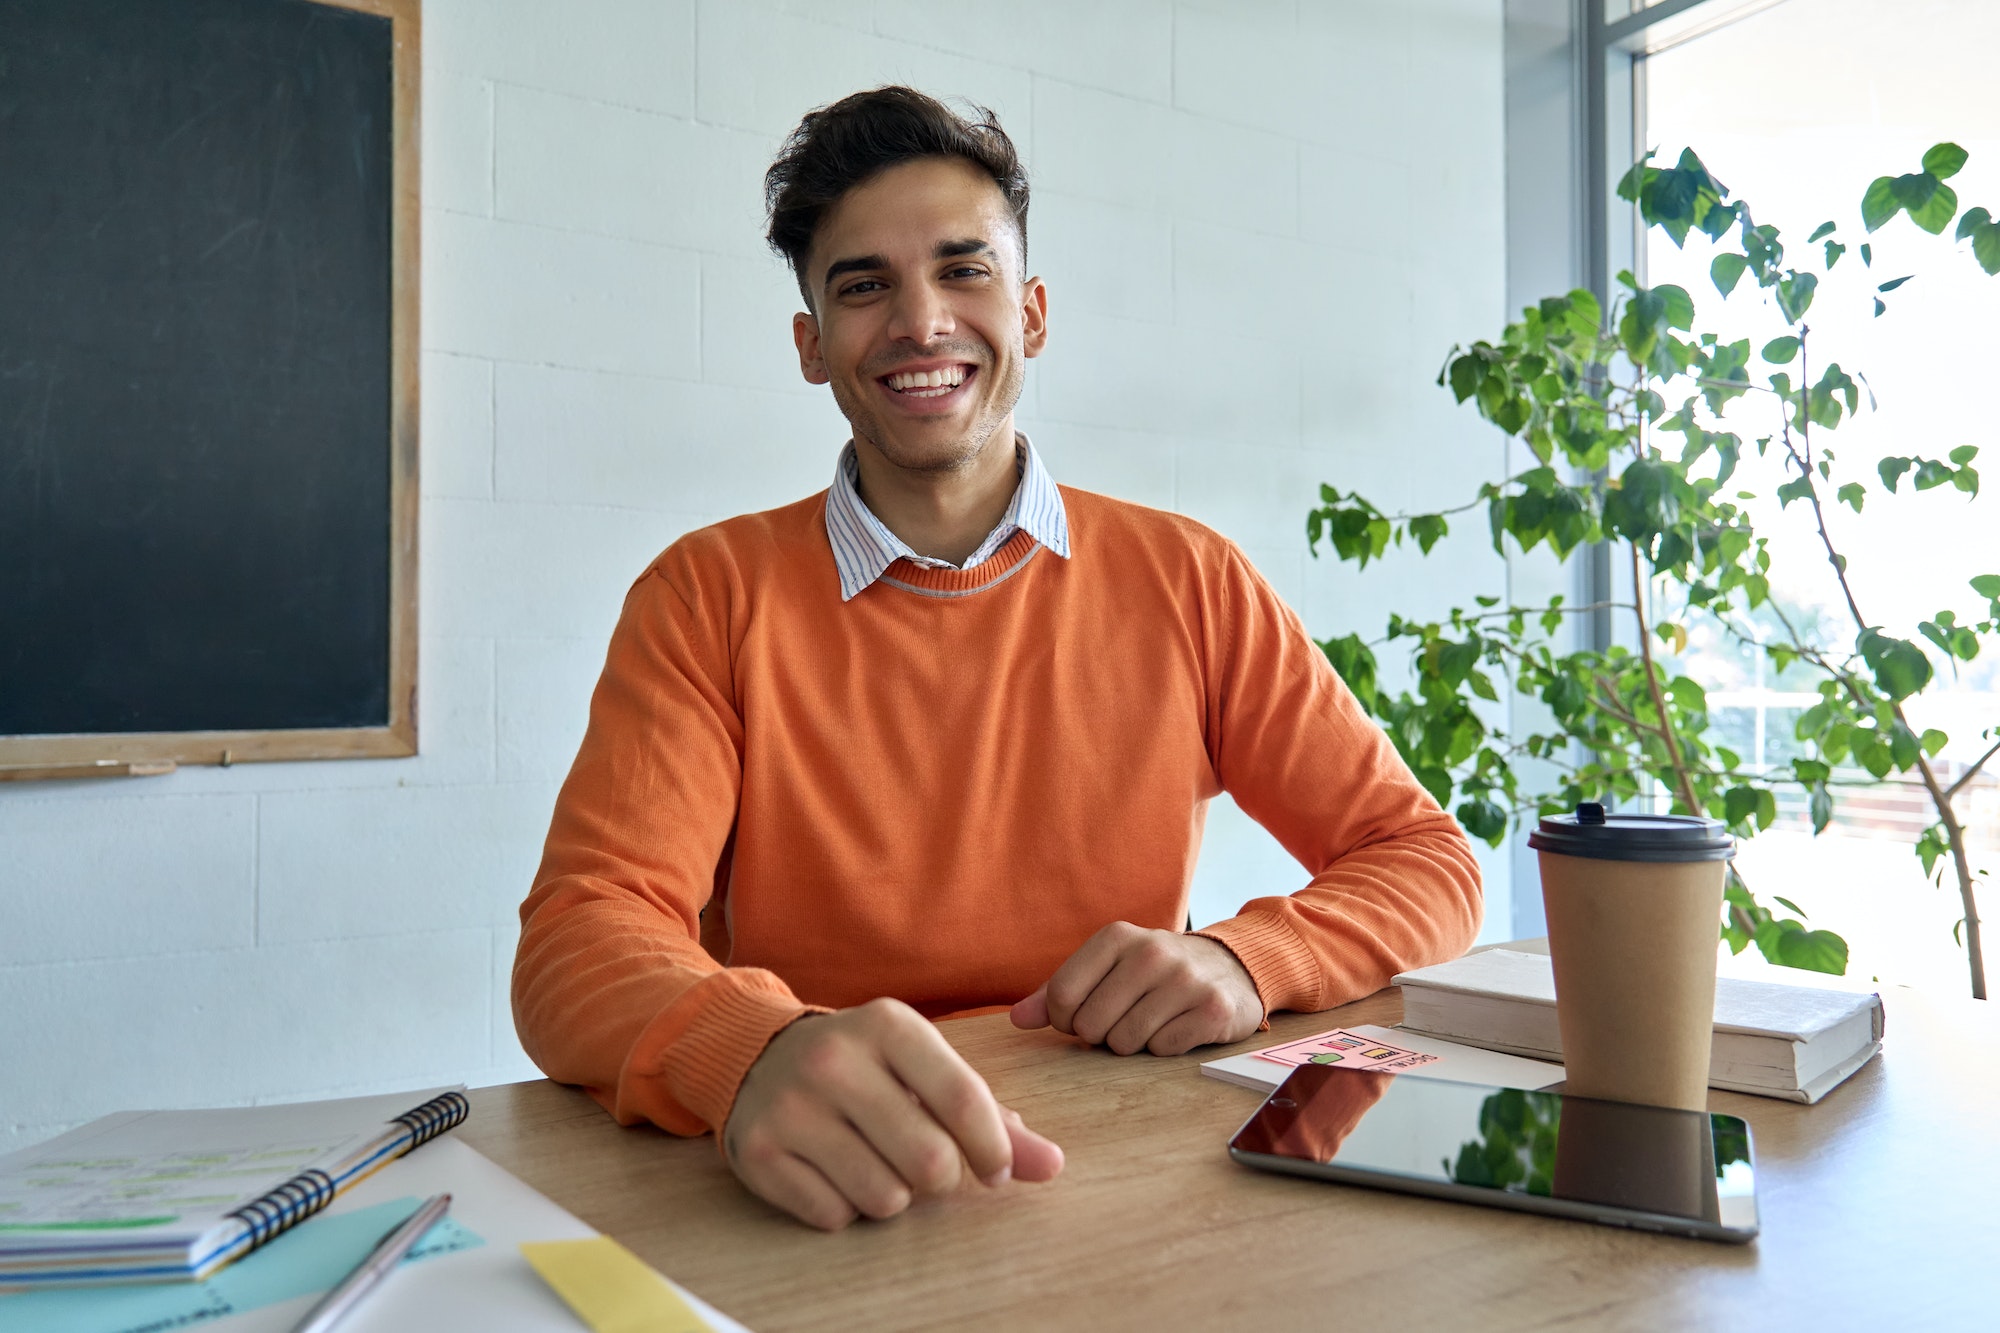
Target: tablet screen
(1462, 1139)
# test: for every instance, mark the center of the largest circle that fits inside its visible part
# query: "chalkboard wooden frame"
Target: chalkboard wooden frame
(44, 756)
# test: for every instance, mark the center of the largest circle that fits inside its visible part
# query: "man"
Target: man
(940, 739)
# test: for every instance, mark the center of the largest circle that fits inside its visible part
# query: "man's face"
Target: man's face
(924, 322)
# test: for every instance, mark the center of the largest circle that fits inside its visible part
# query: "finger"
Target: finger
(1035, 1157)
(1193, 1027)
(1148, 965)
(957, 1098)
(901, 1128)
(1150, 1013)
(1081, 972)
(790, 1182)
(845, 1158)
(1033, 1012)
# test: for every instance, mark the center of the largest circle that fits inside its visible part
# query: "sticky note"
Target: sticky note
(610, 1288)
(1349, 1050)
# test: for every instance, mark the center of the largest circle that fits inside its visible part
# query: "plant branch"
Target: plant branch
(1972, 772)
(1682, 781)
(1940, 798)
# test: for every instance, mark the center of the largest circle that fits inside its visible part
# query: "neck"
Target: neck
(943, 514)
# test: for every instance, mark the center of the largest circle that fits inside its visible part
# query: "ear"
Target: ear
(1034, 317)
(805, 336)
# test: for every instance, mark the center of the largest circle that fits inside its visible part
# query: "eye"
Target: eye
(966, 271)
(861, 288)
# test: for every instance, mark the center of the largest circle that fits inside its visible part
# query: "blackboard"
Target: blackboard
(207, 386)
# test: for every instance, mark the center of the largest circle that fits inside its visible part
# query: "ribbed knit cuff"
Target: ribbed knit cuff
(700, 1064)
(1283, 969)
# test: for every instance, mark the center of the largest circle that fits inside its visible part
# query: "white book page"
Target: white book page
(144, 1175)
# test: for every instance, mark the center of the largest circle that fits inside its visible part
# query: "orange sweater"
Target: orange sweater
(784, 801)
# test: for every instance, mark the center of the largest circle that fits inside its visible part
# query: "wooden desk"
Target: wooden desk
(1880, 1207)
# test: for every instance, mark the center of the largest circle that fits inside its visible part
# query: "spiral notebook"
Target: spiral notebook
(163, 1196)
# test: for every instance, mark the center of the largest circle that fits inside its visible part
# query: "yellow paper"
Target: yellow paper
(610, 1288)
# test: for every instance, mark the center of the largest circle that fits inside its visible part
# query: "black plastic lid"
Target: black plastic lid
(1594, 835)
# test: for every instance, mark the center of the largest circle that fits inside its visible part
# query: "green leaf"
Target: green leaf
(1915, 190)
(1788, 904)
(1986, 247)
(1964, 454)
(1354, 663)
(1974, 219)
(1739, 805)
(1688, 695)
(1821, 808)
(1892, 469)
(1944, 160)
(1852, 495)
(1893, 283)
(1899, 666)
(1795, 295)
(1484, 820)
(1434, 780)
(1799, 488)
(1867, 255)
(1466, 374)
(1428, 529)
(1878, 205)
(1931, 474)
(1824, 229)
(1934, 741)
(1679, 306)
(1781, 351)
(1726, 270)
(1903, 747)
(1807, 950)
(1937, 211)
(1986, 585)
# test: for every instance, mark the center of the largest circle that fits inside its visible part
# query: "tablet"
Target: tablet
(1648, 1167)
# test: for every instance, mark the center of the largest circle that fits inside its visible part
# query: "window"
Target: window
(1796, 107)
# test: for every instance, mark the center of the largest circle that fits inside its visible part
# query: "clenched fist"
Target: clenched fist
(1134, 989)
(859, 1112)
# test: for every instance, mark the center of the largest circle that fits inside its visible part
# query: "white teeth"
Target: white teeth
(919, 381)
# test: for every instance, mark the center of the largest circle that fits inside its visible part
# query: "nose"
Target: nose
(920, 314)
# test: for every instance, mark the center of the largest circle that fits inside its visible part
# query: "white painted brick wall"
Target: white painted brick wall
(1262, 224)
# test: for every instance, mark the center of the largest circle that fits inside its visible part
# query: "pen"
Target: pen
(379, 1263)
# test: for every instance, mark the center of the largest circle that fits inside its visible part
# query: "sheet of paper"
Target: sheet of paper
(611, 1289)
(1348, 1048)
(122, 1192)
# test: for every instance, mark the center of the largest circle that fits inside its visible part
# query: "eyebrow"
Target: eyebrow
(958, 249)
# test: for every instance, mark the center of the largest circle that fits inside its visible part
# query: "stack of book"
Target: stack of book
(1772, 1040)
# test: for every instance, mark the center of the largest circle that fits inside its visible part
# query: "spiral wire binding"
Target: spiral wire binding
(292, 1202)
(313, 1189)
(445, 1111)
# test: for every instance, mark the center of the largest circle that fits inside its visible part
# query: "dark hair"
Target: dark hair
(838, 147)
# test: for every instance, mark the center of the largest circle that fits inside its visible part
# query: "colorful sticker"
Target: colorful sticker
(1347, 1050)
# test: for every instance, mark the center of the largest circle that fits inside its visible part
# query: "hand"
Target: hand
(1135, 989)
(861, 1111)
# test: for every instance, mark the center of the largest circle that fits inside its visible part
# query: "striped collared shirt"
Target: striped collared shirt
(863, 548)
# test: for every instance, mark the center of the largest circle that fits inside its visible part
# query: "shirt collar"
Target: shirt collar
(864, 548)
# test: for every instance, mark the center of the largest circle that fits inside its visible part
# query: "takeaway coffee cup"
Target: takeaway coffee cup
(1633, 905)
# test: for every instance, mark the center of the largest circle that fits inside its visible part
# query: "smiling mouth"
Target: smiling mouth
(927, 383)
